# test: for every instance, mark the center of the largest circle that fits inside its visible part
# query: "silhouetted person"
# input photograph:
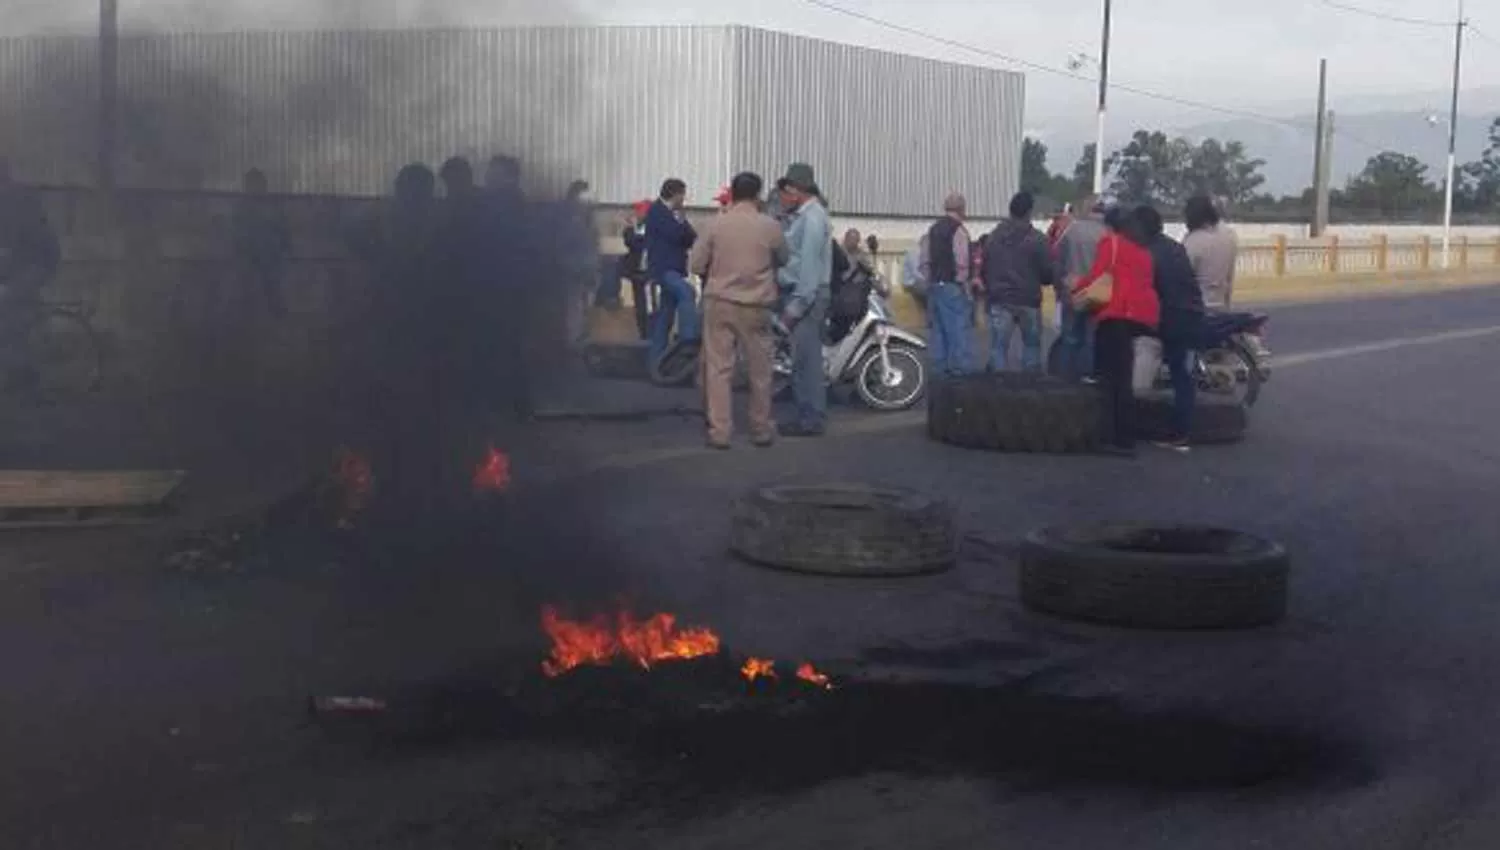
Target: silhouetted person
(579, 253)
(29, 259)
(262, 241)
(516, 269)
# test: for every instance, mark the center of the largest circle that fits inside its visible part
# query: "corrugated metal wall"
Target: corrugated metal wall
(623, 107)
(887, 134)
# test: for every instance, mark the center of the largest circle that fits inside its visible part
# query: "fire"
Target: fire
(810, 675)
(758, 668)
(355, 481)
(493, 473)
(602, 640)
(599, 641)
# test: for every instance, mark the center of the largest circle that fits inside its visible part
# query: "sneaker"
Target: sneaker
(1179, 446)
(716, 445)
(763, 442)
(1089, 379)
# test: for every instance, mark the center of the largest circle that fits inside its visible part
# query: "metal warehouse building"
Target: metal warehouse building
(624, 107)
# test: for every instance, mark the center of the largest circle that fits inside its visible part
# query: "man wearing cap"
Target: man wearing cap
(737, 258)
(948, 265)
(805, 284)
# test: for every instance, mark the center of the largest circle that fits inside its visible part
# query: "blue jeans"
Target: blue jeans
(1004, 319)
(809, 385)
(1076, 345)
(676, 295)
(1180, 337)
(950, 323)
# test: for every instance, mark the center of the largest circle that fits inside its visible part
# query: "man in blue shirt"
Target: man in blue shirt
(669, 237)
(805, 282)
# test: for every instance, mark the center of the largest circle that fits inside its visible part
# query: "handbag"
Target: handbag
(1097, 294)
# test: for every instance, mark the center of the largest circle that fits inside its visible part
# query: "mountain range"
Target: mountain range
(1413, 123)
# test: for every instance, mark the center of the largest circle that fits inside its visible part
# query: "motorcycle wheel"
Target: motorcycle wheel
(678, 365)
(899, 389)
(1234, 360)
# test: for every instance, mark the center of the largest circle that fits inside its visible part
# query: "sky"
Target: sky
(1259, 56)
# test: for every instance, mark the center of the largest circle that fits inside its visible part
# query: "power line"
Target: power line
(1062, 72)
(1384, 16)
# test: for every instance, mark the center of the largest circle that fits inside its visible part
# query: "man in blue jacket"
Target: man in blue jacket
(669, 237)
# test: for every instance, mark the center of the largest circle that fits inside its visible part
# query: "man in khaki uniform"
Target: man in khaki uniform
(737, 260)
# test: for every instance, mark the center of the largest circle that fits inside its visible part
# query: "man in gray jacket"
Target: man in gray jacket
(1076, 250)
(1017, 264)
(805, 283)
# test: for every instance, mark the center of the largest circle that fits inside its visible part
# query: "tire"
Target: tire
(1168, 577)
(678, 365)
(906, 362)
(1015, 413)
(1216, 419)
(844, 530)
(69, 361)
(624, 361)
(1241, 361)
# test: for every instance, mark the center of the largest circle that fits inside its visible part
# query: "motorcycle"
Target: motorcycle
(1233, 360)
(882, 361)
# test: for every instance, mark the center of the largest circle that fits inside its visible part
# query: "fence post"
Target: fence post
(1496, 258)
(1425, 252)
(1463, 251)
(1280, 257)
(1333, 254)
(1382, 252)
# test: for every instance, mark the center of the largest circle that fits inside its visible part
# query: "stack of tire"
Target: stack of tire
(1011, 412)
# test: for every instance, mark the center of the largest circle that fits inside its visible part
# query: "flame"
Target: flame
(808, 674)
(355, 481)
(598, 641)
(493, 473)
(758, 668)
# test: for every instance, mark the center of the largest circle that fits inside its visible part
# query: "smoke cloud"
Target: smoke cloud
(326, 97)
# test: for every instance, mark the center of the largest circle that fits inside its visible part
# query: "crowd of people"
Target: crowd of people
(1116, 275)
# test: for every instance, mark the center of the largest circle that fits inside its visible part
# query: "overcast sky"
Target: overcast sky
(1254, 55)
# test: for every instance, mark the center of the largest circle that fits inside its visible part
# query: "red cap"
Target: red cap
(722, 199)
(641, 208)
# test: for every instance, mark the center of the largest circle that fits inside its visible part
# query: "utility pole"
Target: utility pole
(1324, 177)
(1320, 186)
(109, 68)
(1458, 52)
(1103, 103)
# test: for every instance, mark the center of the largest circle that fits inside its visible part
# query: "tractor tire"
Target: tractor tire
(1166, 577)
(844, 530)
(1015, 413)
(1215, 419)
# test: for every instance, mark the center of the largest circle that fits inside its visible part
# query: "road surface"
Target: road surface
(147, 707)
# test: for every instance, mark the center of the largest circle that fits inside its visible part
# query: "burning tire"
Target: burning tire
(1015, 413)
(1216, 419)
(844, 529)
(1167, 577)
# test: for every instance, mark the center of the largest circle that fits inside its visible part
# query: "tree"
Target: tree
(1034, 174)
(1392, 183)
(1477, 187)
(1083, 170)
(1149, 170)
(1224, 172)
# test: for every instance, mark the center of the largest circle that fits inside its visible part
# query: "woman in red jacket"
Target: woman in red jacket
(1132, 311)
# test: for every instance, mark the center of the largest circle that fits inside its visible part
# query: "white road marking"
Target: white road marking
(1278, 361)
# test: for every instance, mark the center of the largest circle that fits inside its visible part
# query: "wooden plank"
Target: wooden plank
(86, 489)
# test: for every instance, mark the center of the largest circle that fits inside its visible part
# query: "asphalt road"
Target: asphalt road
(145, 707)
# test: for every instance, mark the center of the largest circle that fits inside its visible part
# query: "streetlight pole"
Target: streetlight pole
(1458, 52)
(1103, 100)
